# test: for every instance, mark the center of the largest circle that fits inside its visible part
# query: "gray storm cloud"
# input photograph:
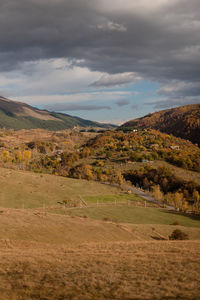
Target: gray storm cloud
(115, 79)
(75, 107)
(158, 41)
(167, 103)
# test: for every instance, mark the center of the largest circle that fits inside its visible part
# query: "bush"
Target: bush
(106, 219)
(175, 223)
(37, 170)
(178, 234)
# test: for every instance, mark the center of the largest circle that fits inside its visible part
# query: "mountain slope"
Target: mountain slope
(183, 121)
(18, 115)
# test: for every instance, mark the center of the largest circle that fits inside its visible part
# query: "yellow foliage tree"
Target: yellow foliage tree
(119, 178)
(157, 194)
(196, 198)
(88, 172)
(185, 206)
(5, 156)
(26, 155)
(178, 200)
(18, 156)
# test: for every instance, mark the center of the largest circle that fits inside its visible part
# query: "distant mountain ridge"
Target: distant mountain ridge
(183, 121)
(19, 115)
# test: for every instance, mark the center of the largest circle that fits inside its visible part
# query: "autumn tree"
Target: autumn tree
(119, 177)
(26, 156)
(157, 194)
(196, 198)
(169, 199)
(82, 171)
(85, 152)
(185, 206)
(146, 183)
(18, 156)
(5, 156)
(178, 200)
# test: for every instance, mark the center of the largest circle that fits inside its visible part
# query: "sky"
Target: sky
(103, 60)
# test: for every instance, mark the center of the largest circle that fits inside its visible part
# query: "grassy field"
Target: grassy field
(30, 190)
(134, 215)
(124, 270)
(118, 198)
(101, 252)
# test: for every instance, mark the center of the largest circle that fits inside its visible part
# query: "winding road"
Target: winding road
(148, 197)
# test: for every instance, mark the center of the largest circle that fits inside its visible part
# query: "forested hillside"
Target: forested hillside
(109, 157)
(183, 121)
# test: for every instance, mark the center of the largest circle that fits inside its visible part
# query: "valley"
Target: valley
(69, 215)
(99, 150)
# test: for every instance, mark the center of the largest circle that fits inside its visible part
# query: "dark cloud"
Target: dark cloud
(122, 102)
(159, 42)
(180, 89)
(109, 80)
(74, 107)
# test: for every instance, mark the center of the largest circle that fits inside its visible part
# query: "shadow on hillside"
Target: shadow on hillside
(178, 213)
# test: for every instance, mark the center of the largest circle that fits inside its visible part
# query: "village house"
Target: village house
(175, 147)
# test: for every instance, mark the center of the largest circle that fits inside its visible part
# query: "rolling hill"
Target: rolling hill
(183, 121)
(45, 254)
(18, 115)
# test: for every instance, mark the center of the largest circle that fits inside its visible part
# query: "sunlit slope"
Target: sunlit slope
(183, 121)
(126, 270)
(19, 115)
(31, 190)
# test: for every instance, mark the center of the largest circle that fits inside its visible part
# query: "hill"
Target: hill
(46, 254)
(144, 158)
(18, 115)
(146, 146)
(51, 256)
(183, 121)
(134, 269)
(32, 190)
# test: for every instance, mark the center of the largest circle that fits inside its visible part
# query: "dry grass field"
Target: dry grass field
(94, 253)
(51, 256)
(37, 226)
(120, 270)
(13, 138)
